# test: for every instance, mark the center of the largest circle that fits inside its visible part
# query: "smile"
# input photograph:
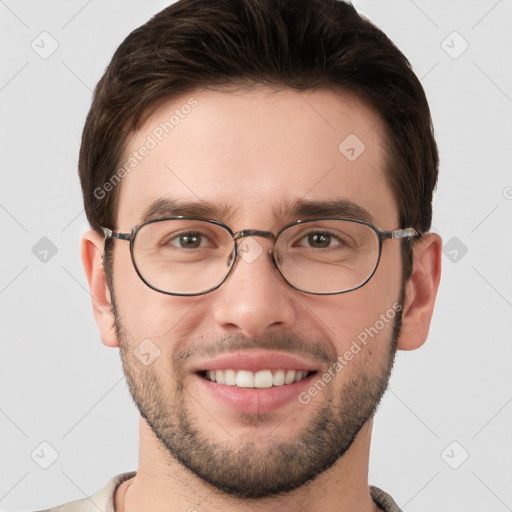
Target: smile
(260, 379)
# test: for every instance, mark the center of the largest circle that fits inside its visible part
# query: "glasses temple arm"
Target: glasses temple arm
(400, 233)
(113, 234)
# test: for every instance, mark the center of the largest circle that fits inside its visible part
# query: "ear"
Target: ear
(91, 248)
(420, 292)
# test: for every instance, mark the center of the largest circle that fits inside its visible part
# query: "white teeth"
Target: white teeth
(230, 377)
(261, 379)
(290, 376)
(278, 379)
(244, 379)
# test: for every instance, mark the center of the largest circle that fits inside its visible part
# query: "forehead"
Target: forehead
(250, 155)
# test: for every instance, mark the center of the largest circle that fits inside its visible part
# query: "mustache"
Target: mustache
(282, 342)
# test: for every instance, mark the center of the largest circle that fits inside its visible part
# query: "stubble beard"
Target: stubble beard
(244, 468)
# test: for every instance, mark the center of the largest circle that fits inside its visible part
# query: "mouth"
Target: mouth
(255, 382)
(261, 379)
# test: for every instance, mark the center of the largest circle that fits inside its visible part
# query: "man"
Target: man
(258, 176)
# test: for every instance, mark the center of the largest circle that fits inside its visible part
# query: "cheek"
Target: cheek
(144, 314)
(363, 342)
(345, 316)
(362, 321)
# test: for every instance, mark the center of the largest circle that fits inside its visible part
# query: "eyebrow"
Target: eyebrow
(335, 208)
(286, 210)
(165, 207)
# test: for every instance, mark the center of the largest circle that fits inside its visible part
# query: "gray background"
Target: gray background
(59, 385)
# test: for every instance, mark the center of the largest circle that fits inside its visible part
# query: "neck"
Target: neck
(163, 484)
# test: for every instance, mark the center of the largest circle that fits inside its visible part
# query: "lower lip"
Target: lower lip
(256, 400)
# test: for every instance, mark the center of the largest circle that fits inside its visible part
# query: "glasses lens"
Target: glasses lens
(327, 256)
(183, 256)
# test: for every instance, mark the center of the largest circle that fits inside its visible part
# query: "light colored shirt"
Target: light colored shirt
(103, 500)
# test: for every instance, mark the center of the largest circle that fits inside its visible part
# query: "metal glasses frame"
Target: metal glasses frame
(382, 235)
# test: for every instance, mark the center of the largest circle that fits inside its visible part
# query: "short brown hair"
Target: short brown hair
(299, 44)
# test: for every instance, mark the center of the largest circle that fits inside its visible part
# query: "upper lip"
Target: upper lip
(255, 361)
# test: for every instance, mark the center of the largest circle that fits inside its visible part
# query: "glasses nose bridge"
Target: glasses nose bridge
(253, 232)
(239, 235)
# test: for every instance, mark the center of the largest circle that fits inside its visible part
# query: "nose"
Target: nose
(255, 297)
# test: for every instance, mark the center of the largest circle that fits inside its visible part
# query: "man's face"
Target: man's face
(251, 152)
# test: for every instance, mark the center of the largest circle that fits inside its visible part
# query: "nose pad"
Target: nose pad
(231, 257)
(276, 258)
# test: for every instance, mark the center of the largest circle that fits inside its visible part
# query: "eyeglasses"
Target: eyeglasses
(192, 256)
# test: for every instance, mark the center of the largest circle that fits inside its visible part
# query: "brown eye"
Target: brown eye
(319, 240)
(187, 240)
